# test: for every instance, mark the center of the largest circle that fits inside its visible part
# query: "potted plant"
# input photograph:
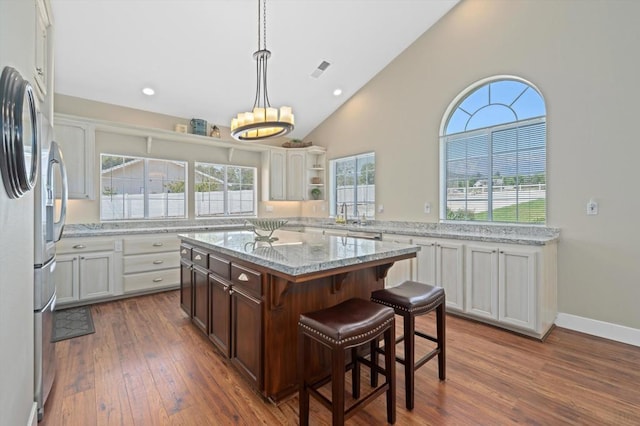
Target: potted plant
(315, 193)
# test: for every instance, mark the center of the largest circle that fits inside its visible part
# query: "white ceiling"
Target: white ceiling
(197, 54)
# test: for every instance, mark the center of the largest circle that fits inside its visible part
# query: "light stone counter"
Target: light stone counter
(511, 234)
(298, 253)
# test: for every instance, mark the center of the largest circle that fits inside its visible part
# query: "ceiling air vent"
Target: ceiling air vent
(321, 68)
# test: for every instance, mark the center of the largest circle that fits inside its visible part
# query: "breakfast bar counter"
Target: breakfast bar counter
(247, 295)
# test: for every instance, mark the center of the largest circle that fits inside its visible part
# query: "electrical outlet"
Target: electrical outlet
(380, 208)
(427, 207)
(269, 208)
(592, 207)
(118, 246)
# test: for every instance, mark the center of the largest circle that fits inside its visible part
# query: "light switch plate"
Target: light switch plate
(592, 208)
(427, 207)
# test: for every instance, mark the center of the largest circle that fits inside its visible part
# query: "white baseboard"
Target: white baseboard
(33, 415)
(619, 333)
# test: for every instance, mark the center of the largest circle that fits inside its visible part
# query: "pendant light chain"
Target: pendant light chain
(263, 121)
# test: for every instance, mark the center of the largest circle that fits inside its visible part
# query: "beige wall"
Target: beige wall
(583, 57)
(88, 211)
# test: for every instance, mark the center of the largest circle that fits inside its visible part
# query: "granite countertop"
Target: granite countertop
(495, 233)
(298, 253)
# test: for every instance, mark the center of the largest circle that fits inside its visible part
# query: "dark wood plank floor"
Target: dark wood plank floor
(147, 365)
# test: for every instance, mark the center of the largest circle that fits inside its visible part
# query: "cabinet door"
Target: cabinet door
(402, 270)
(246, 335)
(186, 286)
(296, 175)
(201, 298)
(441, 263)
(517, 287)
(77, 142)
(66, 279)
(220, 313)
(96, 275)
(449, 272)
(482, 281)
(277, 173)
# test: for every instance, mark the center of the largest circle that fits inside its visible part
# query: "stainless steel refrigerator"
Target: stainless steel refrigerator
(49, 218)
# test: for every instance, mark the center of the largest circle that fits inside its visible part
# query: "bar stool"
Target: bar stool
(409, 300)
(348, 325)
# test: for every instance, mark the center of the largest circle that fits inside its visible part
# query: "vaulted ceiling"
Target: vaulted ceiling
(197, 54)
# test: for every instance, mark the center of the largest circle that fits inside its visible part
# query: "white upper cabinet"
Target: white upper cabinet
(291, 174)
(296, 166)
(43, 28)
(77, 141)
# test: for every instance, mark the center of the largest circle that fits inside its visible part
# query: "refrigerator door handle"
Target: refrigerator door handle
(56, 159)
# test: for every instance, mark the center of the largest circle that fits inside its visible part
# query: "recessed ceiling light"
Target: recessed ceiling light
(148, 91)
(337, 92)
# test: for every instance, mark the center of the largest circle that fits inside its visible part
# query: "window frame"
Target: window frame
(145, 186)
(444, 138)
(225, 185)
(333, 196)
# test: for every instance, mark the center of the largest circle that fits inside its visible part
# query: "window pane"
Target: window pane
(497, 172)
(122, 184)
(165, 186)
(139, 188)
(353, 194)
(222, 190)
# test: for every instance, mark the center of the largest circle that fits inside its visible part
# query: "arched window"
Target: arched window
(493, 151)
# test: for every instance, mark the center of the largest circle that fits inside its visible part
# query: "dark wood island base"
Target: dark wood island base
(250, 312)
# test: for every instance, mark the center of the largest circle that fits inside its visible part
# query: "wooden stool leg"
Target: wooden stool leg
(303, 395)
(441, 318)
(374, 361)
(390, 367)
(337, 385)
(355, 374)
(409, 358)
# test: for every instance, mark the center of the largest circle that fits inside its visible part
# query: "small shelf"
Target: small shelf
(316, 168)
(316, 184)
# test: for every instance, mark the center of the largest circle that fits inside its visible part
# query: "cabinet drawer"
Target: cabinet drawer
(154, 244)
(185, 251)
(151, 280)
(77, 245)
(219, 266)
(247, 278)
(150, 262)
(200, 257)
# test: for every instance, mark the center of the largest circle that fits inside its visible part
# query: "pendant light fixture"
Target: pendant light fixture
(263, 121)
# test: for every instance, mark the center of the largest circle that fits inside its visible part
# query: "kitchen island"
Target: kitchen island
(247, 296)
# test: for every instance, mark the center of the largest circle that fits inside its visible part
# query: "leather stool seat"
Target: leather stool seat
(350, 324)
(411, 299)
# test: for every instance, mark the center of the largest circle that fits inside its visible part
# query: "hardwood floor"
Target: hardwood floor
(147, 364)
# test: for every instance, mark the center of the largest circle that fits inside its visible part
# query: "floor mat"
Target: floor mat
(72, 322)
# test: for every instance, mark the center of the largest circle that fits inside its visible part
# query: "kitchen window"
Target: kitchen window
(223, 190)
(493, 152)
(141, 188)
(353, 186)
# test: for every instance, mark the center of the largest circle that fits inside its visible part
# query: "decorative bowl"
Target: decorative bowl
(268, 225)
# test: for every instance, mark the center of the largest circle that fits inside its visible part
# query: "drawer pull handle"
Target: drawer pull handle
(157, 280)
(184, 251)
(158, 262)
(79, 246)
(231, 292)
(243, 277)
(158, 244)
(198, 257)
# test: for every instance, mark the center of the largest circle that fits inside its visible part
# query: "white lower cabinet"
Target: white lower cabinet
(84, 276)
(402, 270)
(441, 263)
(150, 263)
(512, 285)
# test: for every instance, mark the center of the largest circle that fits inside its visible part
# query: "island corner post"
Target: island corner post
(288, 297)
